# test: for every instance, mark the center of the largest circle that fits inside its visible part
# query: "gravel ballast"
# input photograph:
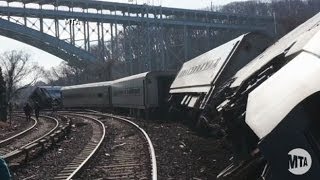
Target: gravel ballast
(18, 124)
(182, 154)
(123, 155)
(50, 163)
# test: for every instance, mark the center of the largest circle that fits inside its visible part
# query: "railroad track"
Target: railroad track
(18, 125)
(132, 155)
(30, 135)
(88, 151)
(7, 140)
(136, 159)
(16, 144)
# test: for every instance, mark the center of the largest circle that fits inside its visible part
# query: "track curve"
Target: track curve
(89, 150)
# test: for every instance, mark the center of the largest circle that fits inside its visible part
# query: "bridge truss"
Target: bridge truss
(87, 30)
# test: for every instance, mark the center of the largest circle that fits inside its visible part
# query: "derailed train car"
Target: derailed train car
(92, 95)
(271, 110)
(198, 78)
(143, 93)
(45, 95)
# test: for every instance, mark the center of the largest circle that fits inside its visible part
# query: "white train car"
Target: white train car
(273, 113)
(92, 95)
(198, 78)
(146, 91)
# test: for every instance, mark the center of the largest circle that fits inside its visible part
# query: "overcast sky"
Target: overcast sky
(47, 60)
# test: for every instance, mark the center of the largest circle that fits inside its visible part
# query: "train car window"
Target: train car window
(100, 95)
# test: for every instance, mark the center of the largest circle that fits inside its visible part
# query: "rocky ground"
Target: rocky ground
(121, 140)
(17, 124)
(182, 154)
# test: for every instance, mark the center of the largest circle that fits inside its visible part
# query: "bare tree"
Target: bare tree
(18, 71)
(3, 103)
(63, 75)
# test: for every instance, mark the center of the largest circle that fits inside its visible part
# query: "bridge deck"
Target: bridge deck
(133, 8)
(93, 17)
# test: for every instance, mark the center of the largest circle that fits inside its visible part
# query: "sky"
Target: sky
(47, 60)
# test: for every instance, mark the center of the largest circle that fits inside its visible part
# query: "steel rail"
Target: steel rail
(143, 132)
(19, 134)
(93, 151)
(11, 154)
(151, 148)
(47, 134)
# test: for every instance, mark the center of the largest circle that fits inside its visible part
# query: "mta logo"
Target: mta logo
(299, 161)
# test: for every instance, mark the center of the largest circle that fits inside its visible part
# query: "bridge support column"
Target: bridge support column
(186, 43)
(112, 41)
(163, 63)
(41, 20)
(24, 17)
(99, 42)
(102, 42)
(149, 60)
(116, 41)
(125, 47)
(208, 37)
(56, 28)
(132, 70)
(85, 36)
(88, 36)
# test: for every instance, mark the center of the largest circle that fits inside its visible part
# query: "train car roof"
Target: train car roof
(200, 72)
(290, 85)
(136, 76)
(144, 75)
(97, 84)
(108, 83)
(275, 98)
(50, 87)
(300, 39)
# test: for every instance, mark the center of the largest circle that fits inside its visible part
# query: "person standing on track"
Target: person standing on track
(27, 111)
(37, 110)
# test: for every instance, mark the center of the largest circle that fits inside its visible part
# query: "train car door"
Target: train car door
(164, 83)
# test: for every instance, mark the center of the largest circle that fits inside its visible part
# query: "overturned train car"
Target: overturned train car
(198, 79)
(45, 96)
(271, 110)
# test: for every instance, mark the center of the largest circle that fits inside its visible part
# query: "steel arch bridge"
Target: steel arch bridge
(69, 29)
